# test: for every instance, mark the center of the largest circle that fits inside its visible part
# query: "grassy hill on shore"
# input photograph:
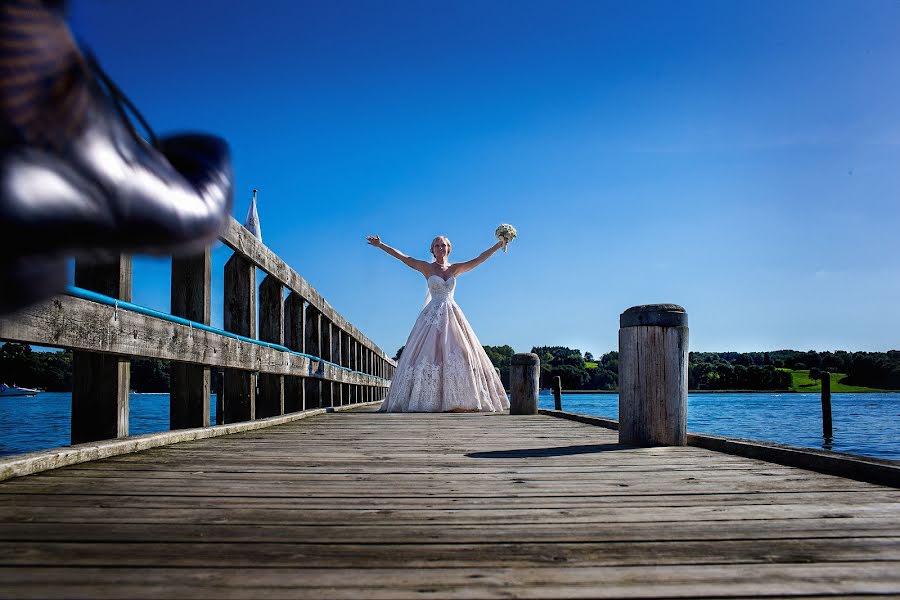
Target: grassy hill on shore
(800, 382)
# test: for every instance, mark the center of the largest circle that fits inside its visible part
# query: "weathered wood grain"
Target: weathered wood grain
(362, 504)
(70, 322)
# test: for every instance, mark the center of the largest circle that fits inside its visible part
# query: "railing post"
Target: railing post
(189, 387)
(327, 346)
(101, 382)
(294, 325)
(653, 375)
(827, 432)
(313, 347)
(271, 329)
(337, 357)
(345, 361)
(239, 400)
(524, 383)
(557, 392)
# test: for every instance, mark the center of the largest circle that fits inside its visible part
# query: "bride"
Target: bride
(443, 366)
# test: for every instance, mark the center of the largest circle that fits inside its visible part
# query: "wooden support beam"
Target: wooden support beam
(191, 298)
(337, 356)
(294, 327)
(240, 317)
(270, 402)
(101, 382)
(313, 347)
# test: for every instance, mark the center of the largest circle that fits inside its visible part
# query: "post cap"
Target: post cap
(659, 315)
(525, 358)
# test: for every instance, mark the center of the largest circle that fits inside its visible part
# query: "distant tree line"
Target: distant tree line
(52, 371)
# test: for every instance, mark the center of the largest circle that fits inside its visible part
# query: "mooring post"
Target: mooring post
(826, 405)
(524, 382)
(653, 375)
(557, 392)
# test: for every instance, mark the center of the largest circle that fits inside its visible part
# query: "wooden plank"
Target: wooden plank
(100, 383)
(664, 581)
(443, 505)
(191, 298)
(101, 328)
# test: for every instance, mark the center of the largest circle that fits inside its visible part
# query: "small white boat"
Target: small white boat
(14, 390)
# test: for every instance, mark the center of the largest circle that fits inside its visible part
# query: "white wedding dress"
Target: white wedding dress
(443, 366)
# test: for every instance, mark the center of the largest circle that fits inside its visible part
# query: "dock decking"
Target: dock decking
(356, 504)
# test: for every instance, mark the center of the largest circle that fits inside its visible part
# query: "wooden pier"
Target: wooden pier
(355, 504)
(301, 491)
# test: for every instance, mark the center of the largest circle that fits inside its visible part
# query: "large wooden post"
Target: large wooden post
(313, 347)
(189, 388)
(653, 375)
(271, 329)
(100, 382)
(524, 383)
(294, 338)
(240, 317)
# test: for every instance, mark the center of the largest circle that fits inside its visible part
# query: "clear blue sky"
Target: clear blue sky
(737, 158)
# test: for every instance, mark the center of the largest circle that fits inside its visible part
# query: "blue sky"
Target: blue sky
(737, 158)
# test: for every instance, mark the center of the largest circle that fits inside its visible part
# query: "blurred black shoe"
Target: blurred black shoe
(76, 178)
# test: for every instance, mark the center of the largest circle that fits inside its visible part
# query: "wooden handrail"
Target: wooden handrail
(306, 355)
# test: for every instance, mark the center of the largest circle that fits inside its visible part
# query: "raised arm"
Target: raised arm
(419, 265)
(471, 264)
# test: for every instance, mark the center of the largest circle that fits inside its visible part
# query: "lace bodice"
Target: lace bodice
(441, 290)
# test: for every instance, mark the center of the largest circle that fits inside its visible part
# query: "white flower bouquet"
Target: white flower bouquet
(506, 233)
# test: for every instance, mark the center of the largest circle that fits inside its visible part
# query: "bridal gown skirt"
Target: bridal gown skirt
(443, 366)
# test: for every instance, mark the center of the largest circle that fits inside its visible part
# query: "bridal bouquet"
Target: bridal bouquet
(506, 233)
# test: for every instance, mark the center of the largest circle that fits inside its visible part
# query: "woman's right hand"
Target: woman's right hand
(375, 240)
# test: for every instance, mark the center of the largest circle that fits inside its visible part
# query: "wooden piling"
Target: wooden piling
(827, 432)
(653, 375)
(101, 382)
(557, 392)
(524, 383)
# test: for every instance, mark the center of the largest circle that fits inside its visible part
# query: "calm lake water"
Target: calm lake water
(867, 424)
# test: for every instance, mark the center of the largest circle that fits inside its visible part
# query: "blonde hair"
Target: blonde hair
(446, 241)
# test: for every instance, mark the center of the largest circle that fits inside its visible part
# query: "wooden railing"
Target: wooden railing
(305, 354)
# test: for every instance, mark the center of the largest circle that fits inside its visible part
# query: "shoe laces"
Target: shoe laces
(121, 102)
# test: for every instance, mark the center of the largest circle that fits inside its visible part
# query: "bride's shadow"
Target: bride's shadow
(549, 452)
